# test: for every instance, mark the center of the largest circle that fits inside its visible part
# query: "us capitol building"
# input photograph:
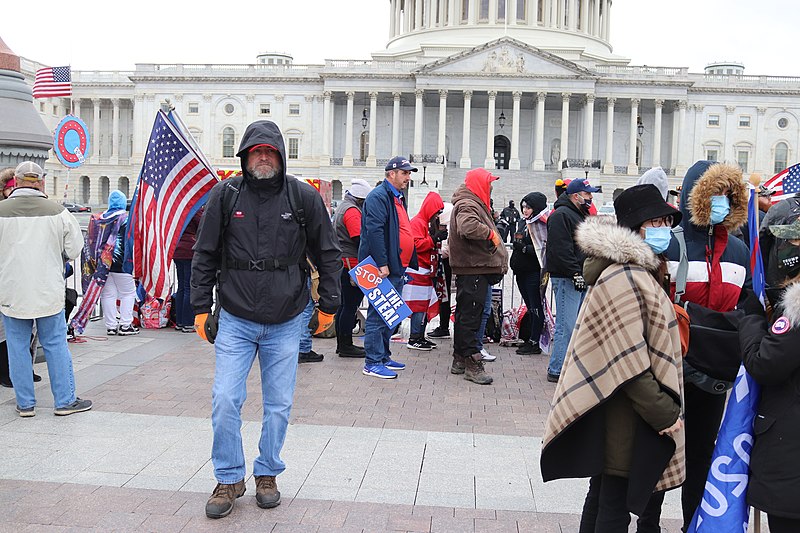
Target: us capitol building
(529, 87)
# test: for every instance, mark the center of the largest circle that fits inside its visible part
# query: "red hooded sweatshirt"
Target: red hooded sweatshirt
(423, 242)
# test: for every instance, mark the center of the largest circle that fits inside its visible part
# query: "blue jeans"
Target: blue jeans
(53, 338)
(487, 310)
(418, 321)
(568, 303)
(305, 334)
(377, 334)
(184, 315)
(238, 342)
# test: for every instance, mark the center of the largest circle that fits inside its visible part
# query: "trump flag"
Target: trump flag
(173, 184)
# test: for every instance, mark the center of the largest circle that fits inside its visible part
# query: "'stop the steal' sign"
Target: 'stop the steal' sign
(380, 293)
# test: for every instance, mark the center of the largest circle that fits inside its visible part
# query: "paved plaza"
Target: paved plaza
(427, 452)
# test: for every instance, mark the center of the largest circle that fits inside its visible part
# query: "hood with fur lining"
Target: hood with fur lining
(602, 238)
(712, 182)
(790, 304)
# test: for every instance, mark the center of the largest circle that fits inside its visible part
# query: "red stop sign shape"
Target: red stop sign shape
(368, 277)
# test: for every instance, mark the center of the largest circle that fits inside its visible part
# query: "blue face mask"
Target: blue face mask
(657, 238)
(720, 207)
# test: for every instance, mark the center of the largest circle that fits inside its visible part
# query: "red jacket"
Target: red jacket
(423, 242)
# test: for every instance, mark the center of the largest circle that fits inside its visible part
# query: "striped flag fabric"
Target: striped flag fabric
(52, 81)
(173, 184)
(785, 183)
(419, 292)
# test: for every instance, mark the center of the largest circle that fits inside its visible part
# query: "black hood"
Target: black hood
(564, 200)
(261, 132)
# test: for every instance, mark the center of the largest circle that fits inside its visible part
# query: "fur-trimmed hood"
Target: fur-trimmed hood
(706, 179)
(790, 304)
(602, 238)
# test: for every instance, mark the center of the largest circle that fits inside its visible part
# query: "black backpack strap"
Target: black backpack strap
(296, 201)
(229, 197)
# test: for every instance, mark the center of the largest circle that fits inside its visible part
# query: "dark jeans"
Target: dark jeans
(528, 283)
(346, 314)
(470, 299)
(701, 423)
(184, 315)
(605, 510)
(444, 307)
(779, 524)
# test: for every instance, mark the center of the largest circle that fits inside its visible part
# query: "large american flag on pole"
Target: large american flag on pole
(52, 81)
(785, 183)
(173, 184)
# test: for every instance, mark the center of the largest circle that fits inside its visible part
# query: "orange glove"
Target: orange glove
(205, 325)
(496, 239)
(320, 322)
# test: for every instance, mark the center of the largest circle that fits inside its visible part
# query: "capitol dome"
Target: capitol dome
(578, 30)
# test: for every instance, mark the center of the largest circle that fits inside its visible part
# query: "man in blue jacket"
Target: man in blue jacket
(386, 236)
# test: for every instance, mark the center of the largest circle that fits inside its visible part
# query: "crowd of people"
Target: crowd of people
(637, 402)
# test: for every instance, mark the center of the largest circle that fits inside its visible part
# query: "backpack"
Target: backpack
(231, 194)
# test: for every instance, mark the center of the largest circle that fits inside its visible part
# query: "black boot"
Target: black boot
(346, 348)
(529, 348)
(5, 378)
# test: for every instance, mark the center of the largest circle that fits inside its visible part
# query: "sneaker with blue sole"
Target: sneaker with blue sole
(391, 364)
(379, 371)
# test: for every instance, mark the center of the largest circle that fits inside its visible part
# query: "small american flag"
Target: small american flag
(52, 81)
(785, 183)
(173, 185)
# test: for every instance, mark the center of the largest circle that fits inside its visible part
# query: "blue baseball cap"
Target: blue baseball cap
(580, 185)
(399, 163)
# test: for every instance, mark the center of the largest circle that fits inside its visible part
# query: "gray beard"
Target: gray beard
(263, 175)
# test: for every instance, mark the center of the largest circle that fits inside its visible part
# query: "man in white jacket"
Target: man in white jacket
(37, 236)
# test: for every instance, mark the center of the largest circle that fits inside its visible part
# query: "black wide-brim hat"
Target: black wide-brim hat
(641, 203)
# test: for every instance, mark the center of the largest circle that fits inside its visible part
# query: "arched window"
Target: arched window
(781, 156)
(227, 142)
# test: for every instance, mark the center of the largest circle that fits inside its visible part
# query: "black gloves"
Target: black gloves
(440, 235)
(579, 282)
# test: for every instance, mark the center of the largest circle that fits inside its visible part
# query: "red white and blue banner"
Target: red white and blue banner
(71, 141)
(724, 505)
(380, 293)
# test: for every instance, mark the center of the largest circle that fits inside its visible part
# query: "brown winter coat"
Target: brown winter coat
(622, 380)
(471, 248)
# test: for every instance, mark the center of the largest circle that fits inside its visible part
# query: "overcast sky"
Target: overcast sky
(95, 34)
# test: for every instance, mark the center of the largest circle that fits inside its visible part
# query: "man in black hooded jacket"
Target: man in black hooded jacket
(256, 253)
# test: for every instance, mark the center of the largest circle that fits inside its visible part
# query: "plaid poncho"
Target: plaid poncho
(626, 327)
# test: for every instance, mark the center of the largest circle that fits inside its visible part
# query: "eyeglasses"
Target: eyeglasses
(659, 222)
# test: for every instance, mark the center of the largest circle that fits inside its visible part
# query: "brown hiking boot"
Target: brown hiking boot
(220, 504)
(474, 371)
(458, 365)
(267, 493)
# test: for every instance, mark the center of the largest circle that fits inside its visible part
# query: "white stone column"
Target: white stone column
(548, 13)
(596, 19)
(396, 123)
(759, 165)
(514, 163)
(325, 156)
(572, 15)
(76, 107)
(373, 126)
(564, 129)
(466, 161)
(473, 12)
(440, 146)
(250, 108)
(588, 133)
(454, 15)
(417, 15)
(675, 138)
(607, 21)
(347, 160)
(533, 12)
(682, 166)
(657, 134)
(511, 11)
(633, 168)
(493, 12)
(538, 161)
(115, 132)
(95, 159)
(138, 126)
(727, 141)
(309, 142)
(584, 6)
(208, 135)
(489, 162)
(393, 19)
(418, 111)
(427, 19)
(608, 164)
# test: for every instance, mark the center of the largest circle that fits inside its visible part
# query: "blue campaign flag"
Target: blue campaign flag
(380, 293)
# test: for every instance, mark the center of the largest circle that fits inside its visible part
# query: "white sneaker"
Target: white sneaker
(486, 356)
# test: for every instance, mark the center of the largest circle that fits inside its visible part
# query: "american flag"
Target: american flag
(173, 185)
(52, 81)
(785, 183)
